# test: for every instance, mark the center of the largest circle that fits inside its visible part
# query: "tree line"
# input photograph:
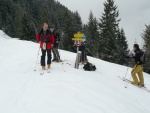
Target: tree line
(24, 18)
(105, 39)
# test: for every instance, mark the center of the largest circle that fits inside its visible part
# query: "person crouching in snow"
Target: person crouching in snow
(138, 68)
(46, 44)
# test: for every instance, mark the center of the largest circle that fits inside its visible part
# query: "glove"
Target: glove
(132, 54)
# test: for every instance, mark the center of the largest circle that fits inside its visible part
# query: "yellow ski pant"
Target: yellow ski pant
(137, 69)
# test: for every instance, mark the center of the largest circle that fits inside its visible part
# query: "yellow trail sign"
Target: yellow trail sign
(78, 35)
(78, 39)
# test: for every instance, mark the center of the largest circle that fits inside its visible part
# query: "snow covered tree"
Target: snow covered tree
(69, 31)
(7, 10)
(122, 48)
(92, 34)
(24, 18)
(146, 37)
(27, 33)
(77, 22)
(108, 27)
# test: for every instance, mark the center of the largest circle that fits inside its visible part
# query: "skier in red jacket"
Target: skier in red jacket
(46, 44)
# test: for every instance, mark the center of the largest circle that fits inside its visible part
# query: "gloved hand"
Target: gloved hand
(132, 54)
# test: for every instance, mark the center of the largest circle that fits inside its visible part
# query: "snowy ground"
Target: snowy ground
(75, 91)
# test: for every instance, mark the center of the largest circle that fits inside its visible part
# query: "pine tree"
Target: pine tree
(68, 32)
(26, 30)
(109, 25)
(85, 29)
(92, 34)
(122, 48)
(77, 22)
(24, 18)
(7, 14)
(146, 37)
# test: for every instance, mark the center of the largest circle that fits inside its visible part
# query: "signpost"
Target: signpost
(78, 38)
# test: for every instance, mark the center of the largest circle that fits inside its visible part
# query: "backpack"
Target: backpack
(143, 57)
(89, 67)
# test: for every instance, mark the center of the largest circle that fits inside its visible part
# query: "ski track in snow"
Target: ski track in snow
(24, 90)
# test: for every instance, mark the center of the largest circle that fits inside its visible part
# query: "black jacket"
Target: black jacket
(57, 38)
(137, 57)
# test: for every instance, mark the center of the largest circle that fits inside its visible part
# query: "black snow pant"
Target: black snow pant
(56, 53)
(83, 54)
(43, 57)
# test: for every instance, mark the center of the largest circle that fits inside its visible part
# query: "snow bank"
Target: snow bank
(73, 91)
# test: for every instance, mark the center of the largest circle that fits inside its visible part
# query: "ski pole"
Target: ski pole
(126, 75)
(37, 59)
(127, 83)
(126, 72)
(59, 50)
(91, 53)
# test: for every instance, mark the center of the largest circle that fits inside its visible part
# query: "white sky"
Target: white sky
(134, 15)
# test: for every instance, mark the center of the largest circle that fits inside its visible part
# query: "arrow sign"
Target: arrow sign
(78, 39)
(78, 35)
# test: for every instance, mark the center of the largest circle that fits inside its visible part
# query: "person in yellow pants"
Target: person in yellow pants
(138, 68)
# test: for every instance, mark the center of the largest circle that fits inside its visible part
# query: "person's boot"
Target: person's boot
(134, 83)
(54, 60)
(43, 67)
(142, 86)
(48, 66)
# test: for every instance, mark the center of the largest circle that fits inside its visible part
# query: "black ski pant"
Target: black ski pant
(83, 54)
(44, 55)
(56, 53)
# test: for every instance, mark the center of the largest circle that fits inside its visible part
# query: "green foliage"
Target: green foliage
(122, 48)
(24, 18)
(104, 39)
(146, 37)
(68, 31)
(108, 27)
(77, 22)
(91, 31)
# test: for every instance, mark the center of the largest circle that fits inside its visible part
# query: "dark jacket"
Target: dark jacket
(57, 38)
(137, 57)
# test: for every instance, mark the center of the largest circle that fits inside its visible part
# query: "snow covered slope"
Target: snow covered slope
(75, 91)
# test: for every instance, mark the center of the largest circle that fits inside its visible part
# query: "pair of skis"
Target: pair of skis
(43, 71)
(130, 82)
(48, 70)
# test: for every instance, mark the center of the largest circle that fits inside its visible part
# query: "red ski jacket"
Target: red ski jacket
(48, 39)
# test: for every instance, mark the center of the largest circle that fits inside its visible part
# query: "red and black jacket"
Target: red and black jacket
(48, 39)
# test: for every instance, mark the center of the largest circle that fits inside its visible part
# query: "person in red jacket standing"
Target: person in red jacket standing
(46, 44)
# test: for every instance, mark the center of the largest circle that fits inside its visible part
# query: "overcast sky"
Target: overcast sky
(134, 15)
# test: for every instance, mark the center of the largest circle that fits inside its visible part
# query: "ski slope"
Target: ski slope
(22, 90)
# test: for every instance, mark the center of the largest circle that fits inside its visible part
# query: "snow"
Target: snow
(23, 90)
